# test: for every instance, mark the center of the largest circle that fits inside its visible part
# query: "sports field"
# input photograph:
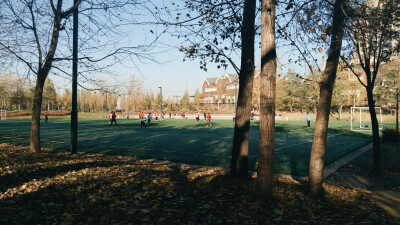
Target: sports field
(187, 141)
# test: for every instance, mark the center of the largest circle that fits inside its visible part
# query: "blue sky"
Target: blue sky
(174, 75)
(168, 70)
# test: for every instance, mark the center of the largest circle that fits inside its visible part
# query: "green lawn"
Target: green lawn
(187, 141)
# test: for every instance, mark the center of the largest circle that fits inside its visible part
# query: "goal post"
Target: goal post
(360, 118)
(3, 114)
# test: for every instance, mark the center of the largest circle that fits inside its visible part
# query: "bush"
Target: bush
(389, 135)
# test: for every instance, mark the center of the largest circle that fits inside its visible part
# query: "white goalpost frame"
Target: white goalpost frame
(3, 114)
(361, 128)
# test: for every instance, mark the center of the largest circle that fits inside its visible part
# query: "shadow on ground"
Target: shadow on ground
(384, 188)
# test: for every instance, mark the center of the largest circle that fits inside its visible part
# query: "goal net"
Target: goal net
(361, 118)
(3, 114)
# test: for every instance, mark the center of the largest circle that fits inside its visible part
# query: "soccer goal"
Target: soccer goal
(361, 119)
(3, 114)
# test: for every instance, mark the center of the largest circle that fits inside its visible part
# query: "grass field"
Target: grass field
(187, 141)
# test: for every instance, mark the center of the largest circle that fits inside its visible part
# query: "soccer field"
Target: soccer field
(188, 141)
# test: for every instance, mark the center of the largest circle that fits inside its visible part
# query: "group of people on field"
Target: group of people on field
(207, 117)
(144, 119)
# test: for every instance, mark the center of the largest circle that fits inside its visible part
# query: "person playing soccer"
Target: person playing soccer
(209, 120)
(148, 119)
(46, 117)
(127, 115)
(143, 123)
(234, 117)
(197, 116)
(308, 120)
(110, 117)
(113, 119)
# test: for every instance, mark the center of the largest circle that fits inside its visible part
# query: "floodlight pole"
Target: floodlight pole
(74, 112)
(397, 111)
(160, 101)
(106, 102)
(397, 108)
(339, 111)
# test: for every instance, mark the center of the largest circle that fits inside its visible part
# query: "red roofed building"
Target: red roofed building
(222, 89)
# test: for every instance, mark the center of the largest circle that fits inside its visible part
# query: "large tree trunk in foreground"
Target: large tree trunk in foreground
(316, 170)
(266, 152)
(376, 149)
(240, 149)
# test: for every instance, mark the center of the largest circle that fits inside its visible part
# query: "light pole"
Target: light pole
(397, 103)
(339, 111)
(160, 101)
(397, 109)
(74, 112)
(106, 102)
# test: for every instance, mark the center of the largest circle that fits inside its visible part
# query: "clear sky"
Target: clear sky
(166, 70)
(169, 71)
(174, 75)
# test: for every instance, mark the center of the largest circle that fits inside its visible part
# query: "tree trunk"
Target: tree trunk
(240, 149)
(376, 149)
(36, 111)
(316, 170)
(42, 74)
(266, 152)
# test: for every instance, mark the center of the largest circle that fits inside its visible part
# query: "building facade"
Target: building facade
(224, 89)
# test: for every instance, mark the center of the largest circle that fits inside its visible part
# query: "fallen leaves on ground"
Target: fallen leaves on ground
(55, 187)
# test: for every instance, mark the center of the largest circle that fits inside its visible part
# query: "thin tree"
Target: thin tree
(45, 57)
(240, 148)
(217, 31)
(373, 34)
(266, 152)
(35, 33)
(316, 169)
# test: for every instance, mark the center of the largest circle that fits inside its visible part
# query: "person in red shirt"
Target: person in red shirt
(209, 120)
(113, 119)
(46, 117)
